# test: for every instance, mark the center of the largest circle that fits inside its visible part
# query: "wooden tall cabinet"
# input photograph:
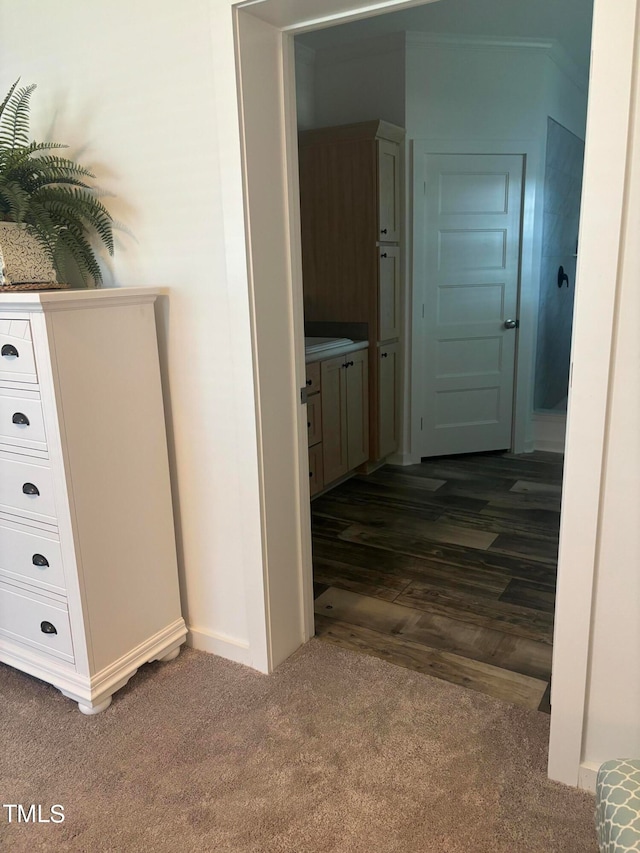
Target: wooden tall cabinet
(351, 216)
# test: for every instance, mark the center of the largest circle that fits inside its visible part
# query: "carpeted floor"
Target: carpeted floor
(336, 752)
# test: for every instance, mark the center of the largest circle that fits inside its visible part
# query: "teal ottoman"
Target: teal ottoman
(618, 806)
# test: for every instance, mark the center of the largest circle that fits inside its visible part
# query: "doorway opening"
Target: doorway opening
(440, 252)
(269, 144)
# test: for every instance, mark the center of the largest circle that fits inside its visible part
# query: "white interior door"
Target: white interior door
(472, 225)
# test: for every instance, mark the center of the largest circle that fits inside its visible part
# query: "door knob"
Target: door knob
(511, 324)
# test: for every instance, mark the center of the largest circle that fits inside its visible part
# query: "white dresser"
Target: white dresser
(88, 576)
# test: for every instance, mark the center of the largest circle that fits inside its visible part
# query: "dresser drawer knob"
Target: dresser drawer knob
(384, 354)
(48, 628)
(309, 381)
(30, 489)
(20, 419)
(9, 349)
(40, 561)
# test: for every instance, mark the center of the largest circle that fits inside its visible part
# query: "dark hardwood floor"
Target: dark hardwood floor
(447, 567)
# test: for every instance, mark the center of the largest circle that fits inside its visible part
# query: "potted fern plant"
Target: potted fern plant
(50, 215)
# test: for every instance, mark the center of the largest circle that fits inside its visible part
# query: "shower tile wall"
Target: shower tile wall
(563, 186)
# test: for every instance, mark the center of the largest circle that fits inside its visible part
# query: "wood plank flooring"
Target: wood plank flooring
(447, 567)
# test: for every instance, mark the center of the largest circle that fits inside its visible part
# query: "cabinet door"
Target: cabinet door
(357, 376)
(314, 419)
(388, 399)
(388, 191)
(316, 480)
(334, 418)
(389, 293)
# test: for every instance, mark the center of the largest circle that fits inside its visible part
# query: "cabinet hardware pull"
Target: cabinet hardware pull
(40, 560)
(383, 255)
(9, 349)
(309, 381)
(21, 419)
(383, 230)
(384, 354)
(308, 424)
(348, 364)
(311, 473)
(30, 489)
(48, 628)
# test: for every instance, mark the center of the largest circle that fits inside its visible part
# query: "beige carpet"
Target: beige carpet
(336, 752)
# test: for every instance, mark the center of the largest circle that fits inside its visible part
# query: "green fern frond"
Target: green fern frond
(14, 125)
(39, 171)
(75, 243)
(14, 201)
(78, 204)
(8, 97)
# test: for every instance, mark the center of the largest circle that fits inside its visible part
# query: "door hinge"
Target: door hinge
(304, 394)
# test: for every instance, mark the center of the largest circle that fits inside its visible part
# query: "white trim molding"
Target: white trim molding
(219, 644)
(549, 430)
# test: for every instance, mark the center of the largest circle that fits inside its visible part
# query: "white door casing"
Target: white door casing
(471, 244)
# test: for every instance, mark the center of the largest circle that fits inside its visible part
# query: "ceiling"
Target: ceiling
(567, 21)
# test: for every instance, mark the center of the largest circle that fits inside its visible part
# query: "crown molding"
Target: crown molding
(550, 48)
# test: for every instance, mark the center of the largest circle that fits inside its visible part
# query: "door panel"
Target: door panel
(388, 191)
(389, 294)
(472, 269)
(334, 419)
(357, 378)
(388, 399)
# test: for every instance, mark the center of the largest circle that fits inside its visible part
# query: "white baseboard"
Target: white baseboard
(548, 431)
(401, 459)
(587, 776)
(219, 644)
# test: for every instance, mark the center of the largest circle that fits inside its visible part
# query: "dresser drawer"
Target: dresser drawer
(21, 420)
(36, 621)
(17, 361)
(30, 556)
(17, 480)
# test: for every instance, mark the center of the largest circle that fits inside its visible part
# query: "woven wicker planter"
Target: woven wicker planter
(24, 263)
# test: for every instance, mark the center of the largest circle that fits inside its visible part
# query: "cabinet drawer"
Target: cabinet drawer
(313, 377)
(17, 479)
(314, 419)
(21, 421)
(33, 620)
(30, 557)
(17, 361)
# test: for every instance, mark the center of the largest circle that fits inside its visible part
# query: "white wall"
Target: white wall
(130, 86)
(360, 82)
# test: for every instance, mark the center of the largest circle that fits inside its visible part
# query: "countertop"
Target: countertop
(318, 349)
